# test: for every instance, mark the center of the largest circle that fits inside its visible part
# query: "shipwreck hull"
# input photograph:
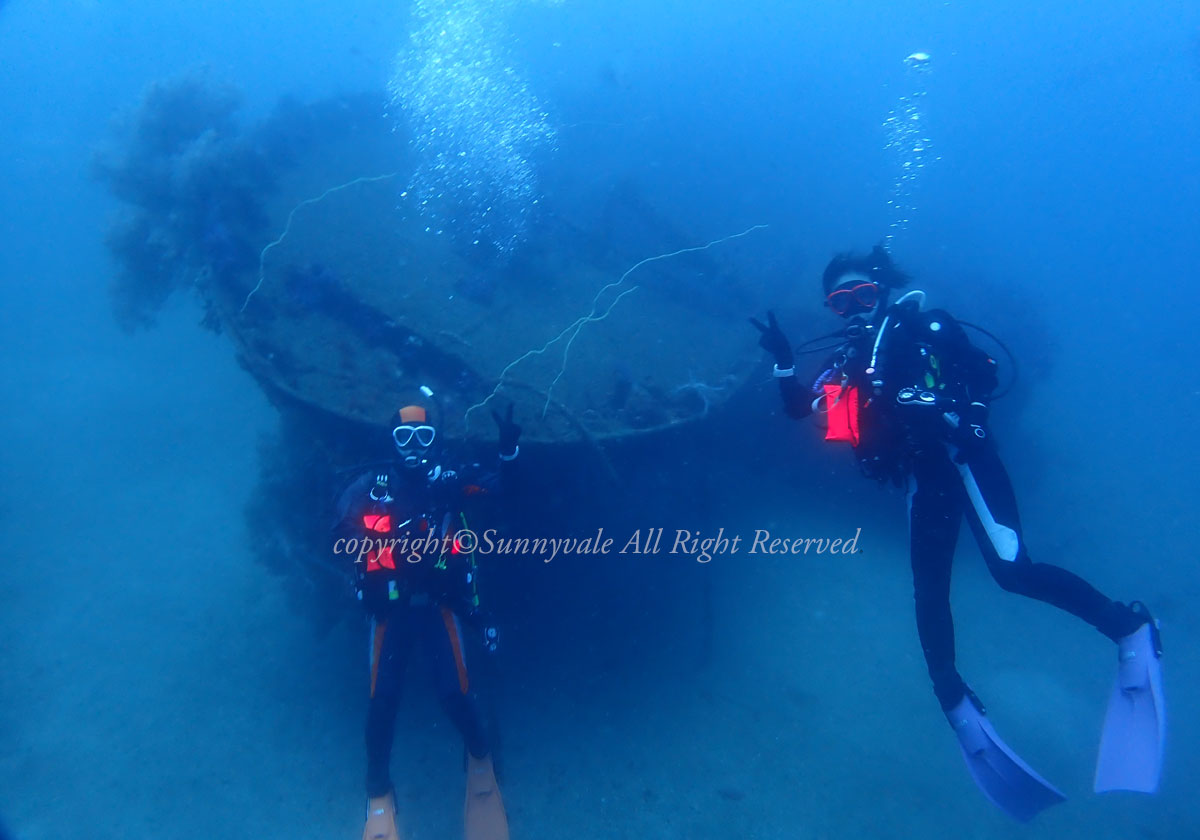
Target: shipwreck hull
(358, 298)
(340, 293)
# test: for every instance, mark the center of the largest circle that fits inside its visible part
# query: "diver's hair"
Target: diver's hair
(877, 265)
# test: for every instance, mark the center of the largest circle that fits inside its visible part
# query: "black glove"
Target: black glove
(510, 433)
(774, 341)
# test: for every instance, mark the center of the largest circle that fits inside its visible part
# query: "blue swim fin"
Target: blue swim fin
(1006, 780)
(1131, 743)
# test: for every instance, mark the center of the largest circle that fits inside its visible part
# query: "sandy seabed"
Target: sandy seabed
(158, 682)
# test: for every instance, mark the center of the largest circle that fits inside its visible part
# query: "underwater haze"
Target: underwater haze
(178, 661)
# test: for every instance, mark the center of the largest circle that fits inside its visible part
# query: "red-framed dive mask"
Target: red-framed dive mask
(844, 298)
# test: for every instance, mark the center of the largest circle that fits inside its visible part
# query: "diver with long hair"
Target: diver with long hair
(909, 391)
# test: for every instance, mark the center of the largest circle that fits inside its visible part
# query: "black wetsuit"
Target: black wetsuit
(920, 389)
(418, 589)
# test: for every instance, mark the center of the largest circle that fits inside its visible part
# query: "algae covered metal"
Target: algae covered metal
(338, 293)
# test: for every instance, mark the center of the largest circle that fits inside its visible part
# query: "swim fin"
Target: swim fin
(1006, 780)
(1131, 743)
(381, 818)
(483, 813)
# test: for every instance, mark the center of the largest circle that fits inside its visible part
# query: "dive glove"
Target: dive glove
(774, 341)
(510, 433)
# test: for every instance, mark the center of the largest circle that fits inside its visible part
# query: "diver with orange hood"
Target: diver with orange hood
(403, 526)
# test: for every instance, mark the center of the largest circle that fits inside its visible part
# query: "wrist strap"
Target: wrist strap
(781, 373)
(512, 456)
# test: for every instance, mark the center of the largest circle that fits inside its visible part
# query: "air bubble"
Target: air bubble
(477, 126)
(906, 141)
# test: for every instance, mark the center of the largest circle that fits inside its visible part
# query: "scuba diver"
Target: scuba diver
(907, 389)
(402, 522)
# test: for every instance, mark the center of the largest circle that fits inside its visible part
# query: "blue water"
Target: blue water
(157, 680)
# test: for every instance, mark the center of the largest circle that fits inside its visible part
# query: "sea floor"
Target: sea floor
(158, 682)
